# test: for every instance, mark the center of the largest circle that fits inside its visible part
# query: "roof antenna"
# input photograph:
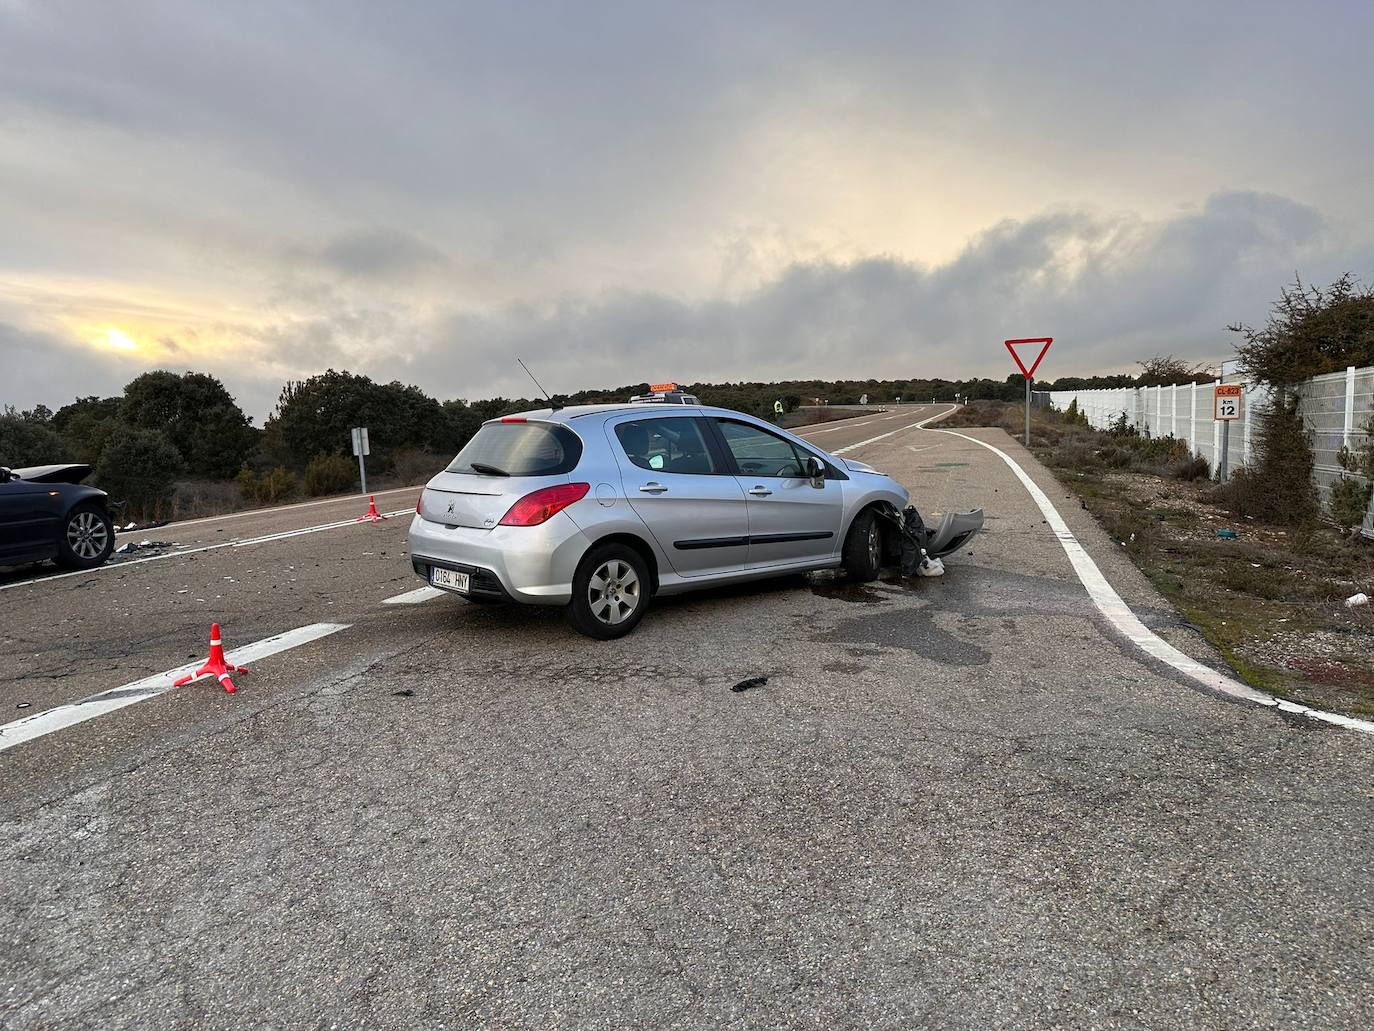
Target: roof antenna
(547, 396)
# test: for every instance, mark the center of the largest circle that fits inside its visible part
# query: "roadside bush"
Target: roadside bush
(276, 485)
(195, 499)
(1279, 487)
(1350, 495)
(1194, 468)
(27, 441)
(329, 474)
(410, 466)
(139, 469)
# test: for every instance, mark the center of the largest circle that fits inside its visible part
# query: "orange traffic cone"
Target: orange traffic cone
(373, 516)
(215, 666)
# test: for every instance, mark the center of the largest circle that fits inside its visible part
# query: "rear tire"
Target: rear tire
(610, 592)
(86, 538)
(862, 556)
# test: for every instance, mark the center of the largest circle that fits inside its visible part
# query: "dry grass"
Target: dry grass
(1272, 600)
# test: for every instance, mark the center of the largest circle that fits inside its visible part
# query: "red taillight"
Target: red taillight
(543, 504)
(418, 502)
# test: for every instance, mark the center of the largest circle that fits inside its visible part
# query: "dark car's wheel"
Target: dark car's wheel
(863, 547)
(610, 592)
(87, 538)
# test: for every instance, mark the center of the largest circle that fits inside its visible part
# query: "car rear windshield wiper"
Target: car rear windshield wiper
(490, 470)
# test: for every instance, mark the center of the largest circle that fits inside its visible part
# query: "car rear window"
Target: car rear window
(521, 449)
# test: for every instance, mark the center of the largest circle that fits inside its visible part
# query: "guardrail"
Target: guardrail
(1336, 407)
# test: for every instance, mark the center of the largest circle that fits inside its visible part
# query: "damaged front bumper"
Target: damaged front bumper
(923, 546)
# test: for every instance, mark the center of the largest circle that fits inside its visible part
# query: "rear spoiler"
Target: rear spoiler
(74, 473)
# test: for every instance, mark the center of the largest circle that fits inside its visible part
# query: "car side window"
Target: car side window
(760, 453)
(666, 445)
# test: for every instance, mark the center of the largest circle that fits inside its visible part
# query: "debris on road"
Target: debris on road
(405, 692)
(1228, 535)
(131, 547)
(751, 682)
(1357, 599)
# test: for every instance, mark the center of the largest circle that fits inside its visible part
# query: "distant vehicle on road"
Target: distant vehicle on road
(600, 507)
(48, 513)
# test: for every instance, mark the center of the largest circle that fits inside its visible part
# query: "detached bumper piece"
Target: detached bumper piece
(924, 546)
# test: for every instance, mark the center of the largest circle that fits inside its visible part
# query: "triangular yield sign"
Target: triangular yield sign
(1044, 343)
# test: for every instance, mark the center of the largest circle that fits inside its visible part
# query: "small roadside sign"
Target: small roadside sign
(1226, 402)
(361, 449)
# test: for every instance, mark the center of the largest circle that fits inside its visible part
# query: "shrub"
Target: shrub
(414, 465)
(28, 441)
(269, 488)
(1193, 468)
(139, 469)
(329, 474)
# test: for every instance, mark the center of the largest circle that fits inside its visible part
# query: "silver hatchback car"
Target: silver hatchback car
(600, 507)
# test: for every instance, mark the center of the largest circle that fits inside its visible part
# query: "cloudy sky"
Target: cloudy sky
(619, 192)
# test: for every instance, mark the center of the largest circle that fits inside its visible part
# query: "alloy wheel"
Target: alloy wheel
(87, 535)
(614, 591)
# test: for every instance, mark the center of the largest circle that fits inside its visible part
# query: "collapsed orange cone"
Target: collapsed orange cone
(373, 516)
(215, 666)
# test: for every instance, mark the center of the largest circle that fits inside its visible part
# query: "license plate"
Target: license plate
(448, 579)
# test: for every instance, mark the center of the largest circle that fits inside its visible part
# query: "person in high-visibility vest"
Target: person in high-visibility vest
(777, 409)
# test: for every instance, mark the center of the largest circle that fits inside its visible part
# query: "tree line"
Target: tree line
(167, 428)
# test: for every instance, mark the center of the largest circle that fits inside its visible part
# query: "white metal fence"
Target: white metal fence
(1337, 408)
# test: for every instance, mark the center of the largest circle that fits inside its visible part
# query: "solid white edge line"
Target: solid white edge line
(415, 597)
(1119, 614)
(62, 716)
(901, 429)
(109, 566)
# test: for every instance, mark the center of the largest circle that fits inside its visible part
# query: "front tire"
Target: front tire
(862, 556)
(86, 539)
(610, 592)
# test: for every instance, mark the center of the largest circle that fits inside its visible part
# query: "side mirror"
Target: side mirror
(812, 468)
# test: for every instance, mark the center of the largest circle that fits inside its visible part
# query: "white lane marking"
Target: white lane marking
(893, 433)
(62, 716)
(286, 508)
(1119, 614)
(108, 566)
(849, 424)
(415, 597)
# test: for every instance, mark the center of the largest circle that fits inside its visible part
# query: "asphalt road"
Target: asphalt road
(957, 803)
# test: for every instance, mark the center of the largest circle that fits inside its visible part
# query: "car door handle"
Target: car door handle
(653, 488)
(760, 491)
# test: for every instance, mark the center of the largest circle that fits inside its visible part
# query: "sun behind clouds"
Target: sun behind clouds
(120, 340)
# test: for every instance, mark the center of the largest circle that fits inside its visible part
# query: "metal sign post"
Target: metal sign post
(1028, 404)
(361, 449)
(1011, 346)
(1225, 410)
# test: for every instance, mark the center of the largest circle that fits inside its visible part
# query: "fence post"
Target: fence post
(1173, 410)
(1192, 421)
(1216, 432)
(1349, 403)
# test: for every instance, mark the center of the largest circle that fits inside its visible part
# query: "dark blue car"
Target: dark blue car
(47, 513)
